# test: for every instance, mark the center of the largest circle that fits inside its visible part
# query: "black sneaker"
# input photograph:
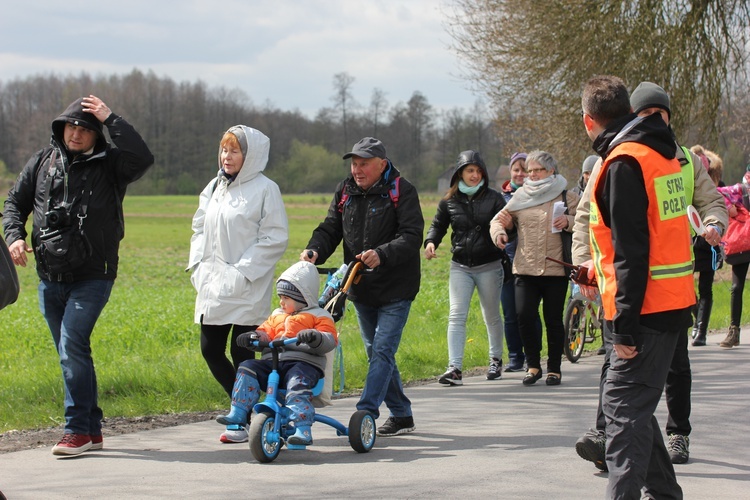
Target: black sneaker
(678, 448)
(396, 425)
(451, 377)
(591, 446)
(496, 369)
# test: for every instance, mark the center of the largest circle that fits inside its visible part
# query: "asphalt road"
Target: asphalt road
(483, 440)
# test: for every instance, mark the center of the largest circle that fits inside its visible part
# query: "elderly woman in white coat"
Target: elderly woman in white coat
(240, 232)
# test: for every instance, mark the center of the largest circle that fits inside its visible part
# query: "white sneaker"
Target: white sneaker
(234, 434)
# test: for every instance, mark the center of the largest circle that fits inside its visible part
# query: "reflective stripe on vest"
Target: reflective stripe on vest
(670, 281)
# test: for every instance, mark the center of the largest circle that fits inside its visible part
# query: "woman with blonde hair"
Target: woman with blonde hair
(240, 232)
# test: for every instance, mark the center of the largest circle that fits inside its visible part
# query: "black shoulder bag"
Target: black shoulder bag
(567, 237)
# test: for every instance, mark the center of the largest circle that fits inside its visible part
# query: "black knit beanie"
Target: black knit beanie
(649, 95)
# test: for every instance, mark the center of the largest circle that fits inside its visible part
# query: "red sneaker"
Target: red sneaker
(72, 444)
(97, 442)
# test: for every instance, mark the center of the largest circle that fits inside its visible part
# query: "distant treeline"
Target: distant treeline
(182, 122)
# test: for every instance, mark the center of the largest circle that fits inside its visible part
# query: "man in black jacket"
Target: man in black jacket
(640, 240)
(74, 188)
(377, 215)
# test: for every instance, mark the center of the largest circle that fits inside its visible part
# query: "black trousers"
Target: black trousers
(739, 273)
(551, 291)
(678, 387)
(636, 455)
(214, 348)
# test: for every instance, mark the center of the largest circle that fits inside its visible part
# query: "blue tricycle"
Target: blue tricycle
(270, 423)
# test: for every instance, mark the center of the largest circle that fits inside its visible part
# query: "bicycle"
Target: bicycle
(583, 323)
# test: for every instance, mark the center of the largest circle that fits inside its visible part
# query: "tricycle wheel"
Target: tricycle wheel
(362, 431)
(264, 448)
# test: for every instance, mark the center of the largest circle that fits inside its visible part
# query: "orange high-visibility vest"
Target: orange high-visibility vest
(670, 280)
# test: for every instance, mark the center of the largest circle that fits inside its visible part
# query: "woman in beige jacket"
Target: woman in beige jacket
(540, 212)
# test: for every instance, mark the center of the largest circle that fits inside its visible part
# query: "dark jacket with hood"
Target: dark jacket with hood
(469, 218)
(105, 169)
(623, 192)
(371, 220)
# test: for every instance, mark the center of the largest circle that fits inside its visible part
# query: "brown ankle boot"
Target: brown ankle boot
(732, 339)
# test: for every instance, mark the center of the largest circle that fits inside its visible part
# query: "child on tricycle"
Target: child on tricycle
(301, 365)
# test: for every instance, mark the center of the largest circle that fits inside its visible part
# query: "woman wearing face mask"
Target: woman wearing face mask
(467, 209)
(240, 232)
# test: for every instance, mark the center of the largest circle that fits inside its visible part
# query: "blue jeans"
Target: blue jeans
(71, 311)
(381, 329)
(489, 283)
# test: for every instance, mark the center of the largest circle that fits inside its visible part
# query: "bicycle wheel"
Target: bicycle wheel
(576, 326)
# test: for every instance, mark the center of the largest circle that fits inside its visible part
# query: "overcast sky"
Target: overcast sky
(282, 51)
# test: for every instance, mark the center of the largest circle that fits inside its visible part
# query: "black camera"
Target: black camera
(57, 217)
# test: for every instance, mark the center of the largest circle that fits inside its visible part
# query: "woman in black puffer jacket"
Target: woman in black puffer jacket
(467, 209)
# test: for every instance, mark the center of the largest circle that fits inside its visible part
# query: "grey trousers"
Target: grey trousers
(637, 458)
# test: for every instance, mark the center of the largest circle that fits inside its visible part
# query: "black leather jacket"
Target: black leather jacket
(371, 220)
(108, 171)
(469, 219)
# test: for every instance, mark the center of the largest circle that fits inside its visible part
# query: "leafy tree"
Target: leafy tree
(310, 168)
(532, 58)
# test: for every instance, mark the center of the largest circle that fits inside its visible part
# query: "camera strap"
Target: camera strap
(50, 176)
(51, 171)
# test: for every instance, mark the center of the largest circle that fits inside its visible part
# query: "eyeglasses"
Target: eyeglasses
(536, 170)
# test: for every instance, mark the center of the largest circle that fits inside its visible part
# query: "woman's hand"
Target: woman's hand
(429, 251)
(732, 211)
(501, 241)
(505, 219)
(560, 222)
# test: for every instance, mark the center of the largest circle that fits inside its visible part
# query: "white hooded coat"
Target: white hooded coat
(240, 231)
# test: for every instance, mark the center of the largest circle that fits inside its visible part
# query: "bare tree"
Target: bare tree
(343, 100)
(378, 108)
(532, 58)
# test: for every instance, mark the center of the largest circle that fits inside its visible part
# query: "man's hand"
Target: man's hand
(308, 255)
(370, 258)
(625, 351)
(590, 292)
(96, 107)
(18, 250)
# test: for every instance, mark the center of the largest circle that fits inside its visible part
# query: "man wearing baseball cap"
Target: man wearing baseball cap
(377, 215)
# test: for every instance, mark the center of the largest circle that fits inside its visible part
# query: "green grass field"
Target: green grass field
(146, 346)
